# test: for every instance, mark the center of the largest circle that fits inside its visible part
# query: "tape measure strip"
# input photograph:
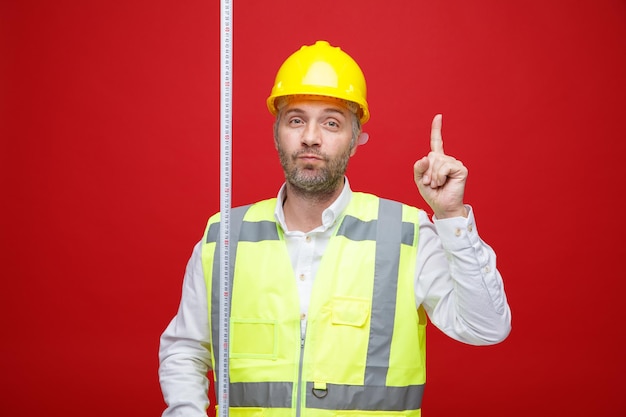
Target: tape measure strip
(222, 388)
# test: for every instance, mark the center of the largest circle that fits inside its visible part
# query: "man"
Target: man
(331, 287)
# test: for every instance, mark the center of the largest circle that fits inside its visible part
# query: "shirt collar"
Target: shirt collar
(329, 215)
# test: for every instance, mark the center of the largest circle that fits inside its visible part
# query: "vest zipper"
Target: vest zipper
(299, 393)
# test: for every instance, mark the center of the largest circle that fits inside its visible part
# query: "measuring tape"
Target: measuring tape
(226, 58)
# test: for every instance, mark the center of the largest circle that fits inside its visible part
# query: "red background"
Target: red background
(110, 168)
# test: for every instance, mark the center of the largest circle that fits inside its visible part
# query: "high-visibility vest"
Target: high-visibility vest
(364, 349)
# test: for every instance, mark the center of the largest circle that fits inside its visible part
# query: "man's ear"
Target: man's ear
(361, 140)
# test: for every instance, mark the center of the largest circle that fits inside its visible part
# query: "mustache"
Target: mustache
(309, 151)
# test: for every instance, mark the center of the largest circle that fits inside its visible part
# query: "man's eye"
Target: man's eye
(295, 121)
(332, 123)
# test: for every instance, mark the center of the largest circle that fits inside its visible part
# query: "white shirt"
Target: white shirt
(456, 281)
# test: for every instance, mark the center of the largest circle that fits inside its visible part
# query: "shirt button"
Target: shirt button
(302, 277)
(308, 239)
(470, 228)
(457, 232)
(487, 270)
(302, 316)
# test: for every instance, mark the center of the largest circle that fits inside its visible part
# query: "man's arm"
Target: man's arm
(184, 353)
(457, 281)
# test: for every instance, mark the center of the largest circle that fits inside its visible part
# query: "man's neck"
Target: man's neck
(303, 211)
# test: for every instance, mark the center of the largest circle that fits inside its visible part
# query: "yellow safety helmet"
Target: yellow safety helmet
(321, 70)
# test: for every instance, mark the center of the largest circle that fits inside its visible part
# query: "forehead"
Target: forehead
(315, 103)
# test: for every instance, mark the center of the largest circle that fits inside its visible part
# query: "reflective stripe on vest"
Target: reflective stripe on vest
(390, 233)
(368, 398)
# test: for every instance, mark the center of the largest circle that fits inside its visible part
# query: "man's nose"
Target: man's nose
(312, 135)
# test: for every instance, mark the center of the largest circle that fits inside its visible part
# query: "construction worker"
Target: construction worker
(331, 288)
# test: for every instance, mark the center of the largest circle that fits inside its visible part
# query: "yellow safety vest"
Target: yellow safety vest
(364, 350)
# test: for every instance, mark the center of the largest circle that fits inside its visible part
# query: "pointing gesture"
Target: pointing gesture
(436, 141)
(441, 178)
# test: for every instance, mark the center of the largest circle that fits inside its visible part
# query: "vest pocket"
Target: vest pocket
(344, 321)
(350, 311)
(253, 338)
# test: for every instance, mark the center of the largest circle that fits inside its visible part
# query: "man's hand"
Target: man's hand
(441, 178)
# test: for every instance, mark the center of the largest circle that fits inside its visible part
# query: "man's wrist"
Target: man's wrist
(446, 214)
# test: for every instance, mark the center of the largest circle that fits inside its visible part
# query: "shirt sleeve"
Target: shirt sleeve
(184, 353)
(457, 281)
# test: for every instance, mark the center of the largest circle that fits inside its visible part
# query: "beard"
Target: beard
(309, 180)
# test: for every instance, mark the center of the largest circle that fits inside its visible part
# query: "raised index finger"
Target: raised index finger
(436, 141)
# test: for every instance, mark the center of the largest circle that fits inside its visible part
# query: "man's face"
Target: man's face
(314, 142)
